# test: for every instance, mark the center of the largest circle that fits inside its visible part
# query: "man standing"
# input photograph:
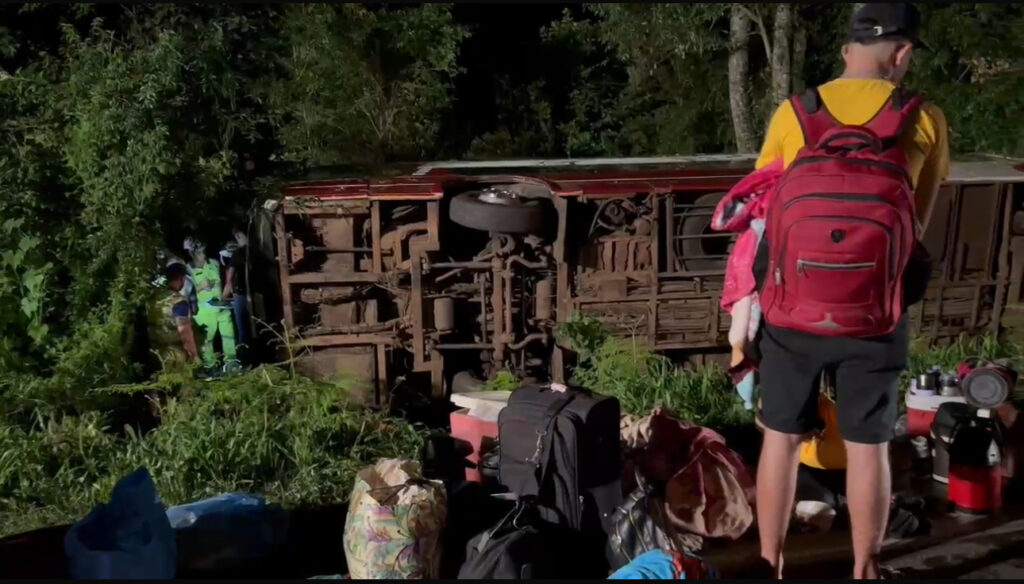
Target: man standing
(171, 323)
(838, 269)
(235, 290)
(212, 316)
(166, 259)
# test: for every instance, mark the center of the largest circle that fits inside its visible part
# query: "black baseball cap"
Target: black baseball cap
(887, 21)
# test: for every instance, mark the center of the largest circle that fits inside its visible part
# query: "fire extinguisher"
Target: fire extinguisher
(975, 465)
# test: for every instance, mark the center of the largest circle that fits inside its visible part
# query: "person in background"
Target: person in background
(166, 259)
(235, 289)
(171, 335)
(211, 316)
(879, 51)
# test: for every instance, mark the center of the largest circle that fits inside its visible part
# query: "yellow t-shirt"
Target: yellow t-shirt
(855, 102)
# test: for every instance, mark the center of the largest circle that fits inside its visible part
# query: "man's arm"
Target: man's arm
(934, 171)
(775, 136)
(228, 279)
(936, 166)
(182, 320)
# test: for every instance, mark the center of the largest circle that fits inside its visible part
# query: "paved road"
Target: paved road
(996, 553)
(959, 546)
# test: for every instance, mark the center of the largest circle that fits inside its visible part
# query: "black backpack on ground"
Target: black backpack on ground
(562, 447)
(522, 547)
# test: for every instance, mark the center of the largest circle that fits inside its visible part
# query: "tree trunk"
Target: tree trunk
(739, 79)
(799, 52)
(781, 47)
(755, 15)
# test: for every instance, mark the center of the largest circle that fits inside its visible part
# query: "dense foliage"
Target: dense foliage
(264, 432)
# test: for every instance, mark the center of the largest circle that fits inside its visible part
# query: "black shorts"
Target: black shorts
(867, 373)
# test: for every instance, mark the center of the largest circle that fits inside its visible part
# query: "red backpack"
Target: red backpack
(841, 226)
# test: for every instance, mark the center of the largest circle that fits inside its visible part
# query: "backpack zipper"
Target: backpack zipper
(875, 163)
(827, 266)
(842, 197)
(782, 250)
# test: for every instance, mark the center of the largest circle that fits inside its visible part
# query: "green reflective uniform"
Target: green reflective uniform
(213, 320)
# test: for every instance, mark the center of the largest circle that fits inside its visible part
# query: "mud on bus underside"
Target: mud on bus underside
(449, 290)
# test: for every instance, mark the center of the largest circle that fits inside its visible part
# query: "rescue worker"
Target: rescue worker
(211, 316)
(171, 335)
(166, 259)
(234, 288)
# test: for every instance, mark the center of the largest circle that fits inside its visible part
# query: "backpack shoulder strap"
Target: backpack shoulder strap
(812, 115)
(895, 116)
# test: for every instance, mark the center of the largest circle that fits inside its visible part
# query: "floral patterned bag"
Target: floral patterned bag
(394, 524)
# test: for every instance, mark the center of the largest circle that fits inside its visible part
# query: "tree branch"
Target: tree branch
(762, 30)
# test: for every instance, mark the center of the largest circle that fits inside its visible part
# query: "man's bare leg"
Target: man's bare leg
(776, 488)
(868, 491)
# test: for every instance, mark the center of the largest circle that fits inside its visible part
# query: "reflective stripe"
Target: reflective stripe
(209, 273)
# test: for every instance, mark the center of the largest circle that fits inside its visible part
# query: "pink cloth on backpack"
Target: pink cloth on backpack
(746, 201)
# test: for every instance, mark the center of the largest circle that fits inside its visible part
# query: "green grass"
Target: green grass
(293, 439)
(643, 380)
(504, 380)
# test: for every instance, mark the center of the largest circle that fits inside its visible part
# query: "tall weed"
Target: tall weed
(294, 439)
(642, 379)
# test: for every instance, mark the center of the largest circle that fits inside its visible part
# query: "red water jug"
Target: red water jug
(975, 465)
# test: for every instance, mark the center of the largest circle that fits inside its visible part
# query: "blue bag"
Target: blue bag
(130, 537)
(227, 532)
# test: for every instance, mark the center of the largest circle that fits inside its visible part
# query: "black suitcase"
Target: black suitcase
(563, 448)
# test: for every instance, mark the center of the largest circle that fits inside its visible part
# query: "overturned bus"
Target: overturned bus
(458, 270)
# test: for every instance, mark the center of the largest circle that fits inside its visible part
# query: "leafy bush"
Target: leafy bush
(124, 129)
(504, 380)
(291, 438)
(642, 379)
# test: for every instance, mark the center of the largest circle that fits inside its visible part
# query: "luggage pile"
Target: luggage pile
(562, 485)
